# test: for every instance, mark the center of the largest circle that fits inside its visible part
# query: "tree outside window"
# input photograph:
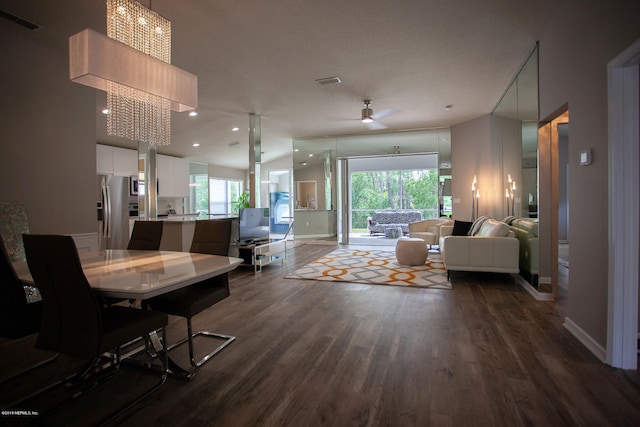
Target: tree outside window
(223, 196)
(199, 194)
(399, 189)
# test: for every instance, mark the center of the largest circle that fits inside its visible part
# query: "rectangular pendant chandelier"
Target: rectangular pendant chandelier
(133, 65)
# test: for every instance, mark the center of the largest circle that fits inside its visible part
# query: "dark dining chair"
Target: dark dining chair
(146, 236)
(18, 317)
(210, 237)
(74, 323)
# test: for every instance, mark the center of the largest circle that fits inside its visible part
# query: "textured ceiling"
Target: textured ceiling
(263, 57)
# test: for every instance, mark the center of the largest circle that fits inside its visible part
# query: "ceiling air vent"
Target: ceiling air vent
(20, 21)
(329, 81)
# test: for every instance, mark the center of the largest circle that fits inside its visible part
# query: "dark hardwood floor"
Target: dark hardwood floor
(321, 353)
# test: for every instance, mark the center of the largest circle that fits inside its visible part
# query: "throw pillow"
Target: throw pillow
(509, 219)
(493, 228)
(461, 228)
(477, 224)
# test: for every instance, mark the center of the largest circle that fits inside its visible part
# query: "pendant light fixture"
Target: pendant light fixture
(367, 112)
(133, 65)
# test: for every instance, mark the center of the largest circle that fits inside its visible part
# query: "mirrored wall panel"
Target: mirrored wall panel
(322, 194)
(515, 124)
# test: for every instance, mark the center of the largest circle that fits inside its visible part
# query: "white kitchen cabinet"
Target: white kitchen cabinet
(116, 161)
(125, 162)
(173, 176)
(164, 167)
(181, 177)
(173, 172)
(104, 159)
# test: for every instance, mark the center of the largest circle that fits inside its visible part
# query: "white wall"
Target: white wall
(48, 137)
(228, 173)
(472, 154)
(579, 41)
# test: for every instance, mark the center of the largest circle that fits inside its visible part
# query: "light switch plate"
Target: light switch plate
(585, 158)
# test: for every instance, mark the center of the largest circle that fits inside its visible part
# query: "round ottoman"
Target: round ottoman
(411, 251)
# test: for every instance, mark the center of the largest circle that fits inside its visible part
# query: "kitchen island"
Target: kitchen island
(177, 231)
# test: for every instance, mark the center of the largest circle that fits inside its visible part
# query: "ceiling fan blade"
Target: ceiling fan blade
(341, 119)
(384, 113)
(374, 125)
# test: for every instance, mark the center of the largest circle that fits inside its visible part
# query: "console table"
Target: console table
(261, 254)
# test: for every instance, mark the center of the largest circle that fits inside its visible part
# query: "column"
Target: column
(255, 155)
(147, 173)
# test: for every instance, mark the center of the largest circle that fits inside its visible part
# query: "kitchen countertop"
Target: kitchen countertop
(187, 218)
(180, 218)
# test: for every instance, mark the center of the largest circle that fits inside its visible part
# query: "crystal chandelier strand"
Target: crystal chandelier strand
(131, 23)
(134, 114)
(137, 115)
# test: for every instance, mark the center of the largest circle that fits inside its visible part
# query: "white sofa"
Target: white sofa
(428, 229)
(526, 231)
(494, 248)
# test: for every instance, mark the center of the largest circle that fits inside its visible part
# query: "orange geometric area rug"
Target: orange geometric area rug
(374, 266)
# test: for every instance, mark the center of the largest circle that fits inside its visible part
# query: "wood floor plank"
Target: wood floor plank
(341, 354)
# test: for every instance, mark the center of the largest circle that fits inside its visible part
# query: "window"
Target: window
(199, 194)
(223, 196)
(395, 189)
(446, 200)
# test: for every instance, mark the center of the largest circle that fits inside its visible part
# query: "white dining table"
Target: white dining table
(134, 274)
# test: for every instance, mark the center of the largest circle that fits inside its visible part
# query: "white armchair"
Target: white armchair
(428, 229)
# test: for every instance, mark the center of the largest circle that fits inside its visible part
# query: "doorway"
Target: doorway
(624, 216)
(553, 181)
(563, 205)
(394, 183)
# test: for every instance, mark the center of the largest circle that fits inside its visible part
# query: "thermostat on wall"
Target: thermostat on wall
(585, 158)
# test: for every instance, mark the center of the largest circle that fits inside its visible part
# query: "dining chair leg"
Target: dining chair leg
(228, 339)
(164, 358)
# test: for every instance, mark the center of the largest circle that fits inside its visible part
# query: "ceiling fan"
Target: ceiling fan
(371, 119)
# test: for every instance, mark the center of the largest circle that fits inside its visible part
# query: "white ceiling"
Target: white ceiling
(264, 56)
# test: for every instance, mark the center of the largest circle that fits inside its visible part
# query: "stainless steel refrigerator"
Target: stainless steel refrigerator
(113, 211)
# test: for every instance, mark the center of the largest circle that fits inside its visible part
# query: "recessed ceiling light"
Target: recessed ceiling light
(105, 111)
(235, 129)
(196, 144)
(193, 113)
(296, 149)
(311, 155)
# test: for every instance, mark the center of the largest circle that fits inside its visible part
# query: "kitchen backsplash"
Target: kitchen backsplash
(165, 204)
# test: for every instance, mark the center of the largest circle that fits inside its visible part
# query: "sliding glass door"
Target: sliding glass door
(388, 183)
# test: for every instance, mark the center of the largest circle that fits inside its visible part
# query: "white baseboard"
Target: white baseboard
(540, 296)
(86, 242)
(585, 339)
(545, 280)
